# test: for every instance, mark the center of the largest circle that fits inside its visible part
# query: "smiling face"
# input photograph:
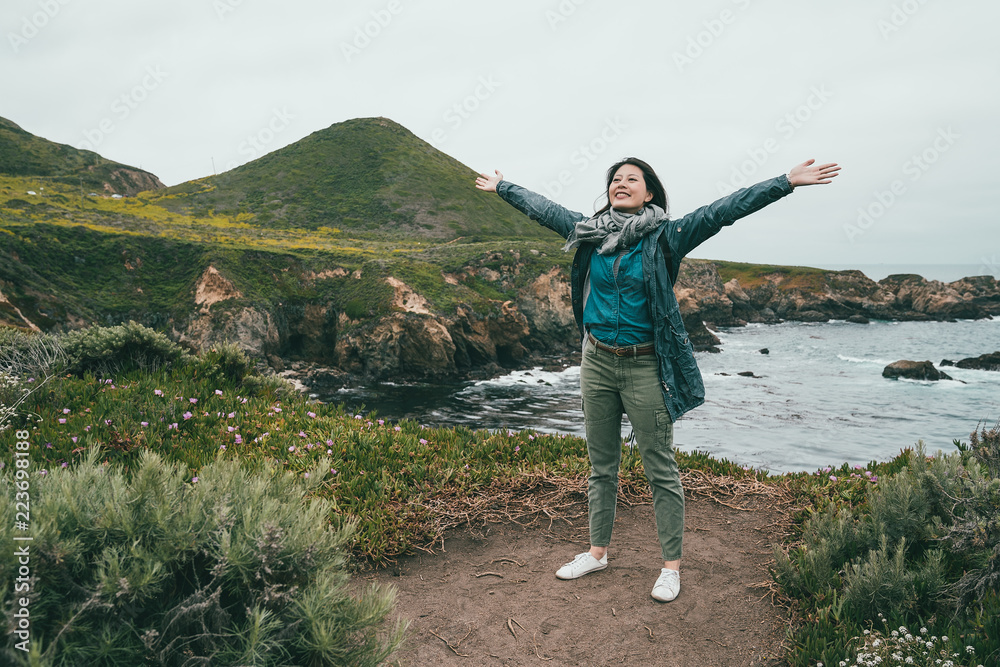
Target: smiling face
(627, 191)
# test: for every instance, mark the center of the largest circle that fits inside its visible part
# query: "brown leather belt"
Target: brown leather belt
(630, 351)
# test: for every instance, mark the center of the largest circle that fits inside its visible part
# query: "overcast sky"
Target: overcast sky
(904, 94)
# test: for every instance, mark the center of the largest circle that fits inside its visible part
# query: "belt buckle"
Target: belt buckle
(623, 351)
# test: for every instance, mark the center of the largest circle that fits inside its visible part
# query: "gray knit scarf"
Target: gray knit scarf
(614, 229)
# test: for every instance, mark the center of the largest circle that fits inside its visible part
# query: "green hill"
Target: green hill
(366, 177)
(24, 154)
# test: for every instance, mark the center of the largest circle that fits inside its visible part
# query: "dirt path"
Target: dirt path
(491, 597)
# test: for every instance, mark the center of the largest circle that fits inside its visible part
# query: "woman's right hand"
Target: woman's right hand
(489, 183)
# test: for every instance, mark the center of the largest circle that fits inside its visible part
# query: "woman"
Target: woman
(636, 355)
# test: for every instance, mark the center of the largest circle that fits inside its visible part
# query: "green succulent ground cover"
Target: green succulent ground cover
(911, 543)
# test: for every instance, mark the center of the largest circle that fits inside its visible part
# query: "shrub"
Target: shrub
(108, 350)
(29, 354)
(922, 545)
(226, 363)
(232, 567)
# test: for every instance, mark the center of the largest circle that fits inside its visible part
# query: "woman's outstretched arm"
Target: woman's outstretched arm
(540, 209)
(690, 231)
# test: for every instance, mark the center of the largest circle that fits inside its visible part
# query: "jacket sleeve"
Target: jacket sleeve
(687, 233)
(540, 209)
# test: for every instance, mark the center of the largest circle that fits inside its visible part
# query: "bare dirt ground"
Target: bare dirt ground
(490, 596)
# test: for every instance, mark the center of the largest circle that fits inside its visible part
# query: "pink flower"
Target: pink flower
(187, 415)
(66, 411)
(194, 480)
(74, 439)
(218, 392)
(358, 417)
(381, 422)
(222, 447)
(333, 471)
(302, 434)
(306, 475)
(143, 423)
(422, 441)
(517, 449)
(65, 465)
(243, 401)
(230, 428)
(157, 392)
(833, 478)
(62, 420)
(397, 429)
(291, 448)
(312, 415)
(231, 415)
(329, 451)
(239, 439)
(193, 400)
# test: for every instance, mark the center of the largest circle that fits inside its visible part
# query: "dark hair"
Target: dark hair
(653, 183)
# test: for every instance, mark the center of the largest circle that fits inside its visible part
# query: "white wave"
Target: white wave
(857, 360)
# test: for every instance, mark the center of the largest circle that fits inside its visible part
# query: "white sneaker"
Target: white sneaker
(667, 586)
(583, 564)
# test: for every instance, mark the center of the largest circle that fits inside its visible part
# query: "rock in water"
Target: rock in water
(913, 370)
(985, 362)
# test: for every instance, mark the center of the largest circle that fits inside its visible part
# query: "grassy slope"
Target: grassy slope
(368, 177)
(110, 260)
(24, 154)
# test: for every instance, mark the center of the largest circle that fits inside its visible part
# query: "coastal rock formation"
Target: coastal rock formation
(985, 362)
(705, 292)
(913, 370)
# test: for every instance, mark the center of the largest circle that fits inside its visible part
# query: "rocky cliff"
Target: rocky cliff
(811, 295)
(412, 342)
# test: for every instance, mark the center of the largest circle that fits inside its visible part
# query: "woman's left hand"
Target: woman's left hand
(809, 173)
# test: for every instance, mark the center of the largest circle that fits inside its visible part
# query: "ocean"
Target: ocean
(818, 398)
